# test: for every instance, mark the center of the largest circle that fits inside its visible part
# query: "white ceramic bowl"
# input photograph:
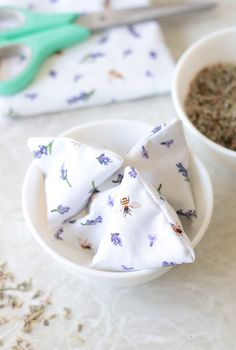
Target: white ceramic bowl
(118, 135)
(218, 47)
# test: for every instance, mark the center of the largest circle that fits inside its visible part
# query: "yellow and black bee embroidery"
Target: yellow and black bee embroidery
(177, 229)
(126, 206)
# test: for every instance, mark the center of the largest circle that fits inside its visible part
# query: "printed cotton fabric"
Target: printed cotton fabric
(143, 231)
(116, 65)
(72, 172)
(87, 231)
(126, 215)
(162, 158)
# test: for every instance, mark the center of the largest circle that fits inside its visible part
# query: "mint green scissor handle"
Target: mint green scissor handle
(41, 35)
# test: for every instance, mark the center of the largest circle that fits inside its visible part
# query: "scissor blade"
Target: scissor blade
(113, 18)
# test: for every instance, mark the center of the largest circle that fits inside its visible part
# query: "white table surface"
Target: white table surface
(191, 307)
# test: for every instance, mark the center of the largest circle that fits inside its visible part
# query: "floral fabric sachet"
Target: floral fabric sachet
(162, 158)
(72, 172)
(143, 231)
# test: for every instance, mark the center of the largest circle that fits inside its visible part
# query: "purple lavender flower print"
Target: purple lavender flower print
(132, 173)
(61, 209)
(167, 143)
(31, 96)
(58, 234)
(104, 160)
(69, 221)
(149, 74)
(127, 52)
(152, 239)
(110, 201)
(83, 96)
(103, 39)
(166, 263)
(64, 175)
(188, 214)
(115, 239)
(182, 170)
(92, 56)
(144, 153)
(77, 77)
(97, 220)
(52, 73)
(119, 179)
(126, 268)
(133, 32)
(153, 54)
(43, 150)
(156, 129)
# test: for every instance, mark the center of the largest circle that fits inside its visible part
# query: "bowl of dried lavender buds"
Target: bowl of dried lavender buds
(204, 95)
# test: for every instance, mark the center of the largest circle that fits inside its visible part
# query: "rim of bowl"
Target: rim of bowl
(175, 91)
(86, 270)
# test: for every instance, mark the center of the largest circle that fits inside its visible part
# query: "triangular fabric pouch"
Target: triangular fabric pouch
(143, 232)
(72, 172)
(162, 158)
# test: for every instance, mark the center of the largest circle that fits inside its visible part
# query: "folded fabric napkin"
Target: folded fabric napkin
(117, 65)
(72, 171)
(129, 212)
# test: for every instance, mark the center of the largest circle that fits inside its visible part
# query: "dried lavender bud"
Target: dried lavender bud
(67, 313)
(3, 320)
(21, 344)
(211, 103)
(50, 317)
(46, 322)
(38, 294)
(35, 311)
(25, 286)
(14, 301)
(79, 327)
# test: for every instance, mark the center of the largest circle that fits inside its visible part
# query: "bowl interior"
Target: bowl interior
(119, 136)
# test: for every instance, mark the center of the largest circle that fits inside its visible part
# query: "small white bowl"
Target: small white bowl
(218, 47)
(119, 135)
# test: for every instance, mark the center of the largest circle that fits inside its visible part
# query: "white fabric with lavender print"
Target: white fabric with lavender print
(72, 172)
(162, 158)
(117, 65)
(143, 231)
(87, 232)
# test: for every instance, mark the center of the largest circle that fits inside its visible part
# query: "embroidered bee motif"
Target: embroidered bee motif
(126, 206)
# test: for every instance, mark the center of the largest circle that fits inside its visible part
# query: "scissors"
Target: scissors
(41, 35)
